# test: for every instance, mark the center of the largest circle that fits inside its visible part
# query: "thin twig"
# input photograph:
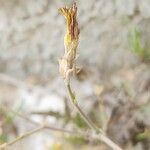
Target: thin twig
(98, 132)
(41, 126)
(52, 128)
(99, 136)
(81, 134)
(21, 137)
(48, 113)
(86, 119)
(108, 141)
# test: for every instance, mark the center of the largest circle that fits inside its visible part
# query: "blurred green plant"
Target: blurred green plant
(79, 122)
(3, 138)
(137, 47)
(143, 136)
(76, 140)
(8, 116)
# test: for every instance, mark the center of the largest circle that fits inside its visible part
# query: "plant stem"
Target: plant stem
(52, 128)
(99, 136)
(84, 117)
(3, 146)
(98, 132)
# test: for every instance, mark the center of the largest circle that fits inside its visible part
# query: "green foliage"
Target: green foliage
(143, 136)
(76, 140)
(137, 47)
(79, 122)
(9, 117)
(3, 138)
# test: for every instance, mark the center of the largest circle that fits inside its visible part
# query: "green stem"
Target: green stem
(80, 111)
(99, 133)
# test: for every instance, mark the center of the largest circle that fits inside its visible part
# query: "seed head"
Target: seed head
(71, 38)
(72, 34)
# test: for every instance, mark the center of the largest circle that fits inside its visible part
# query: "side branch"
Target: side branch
(3, 146)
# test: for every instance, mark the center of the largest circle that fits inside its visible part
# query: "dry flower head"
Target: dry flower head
(71, 38)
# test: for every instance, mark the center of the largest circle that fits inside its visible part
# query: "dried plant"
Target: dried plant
(67, 67)
(67, 64)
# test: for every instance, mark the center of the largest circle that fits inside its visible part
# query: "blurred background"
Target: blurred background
(113, 86)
